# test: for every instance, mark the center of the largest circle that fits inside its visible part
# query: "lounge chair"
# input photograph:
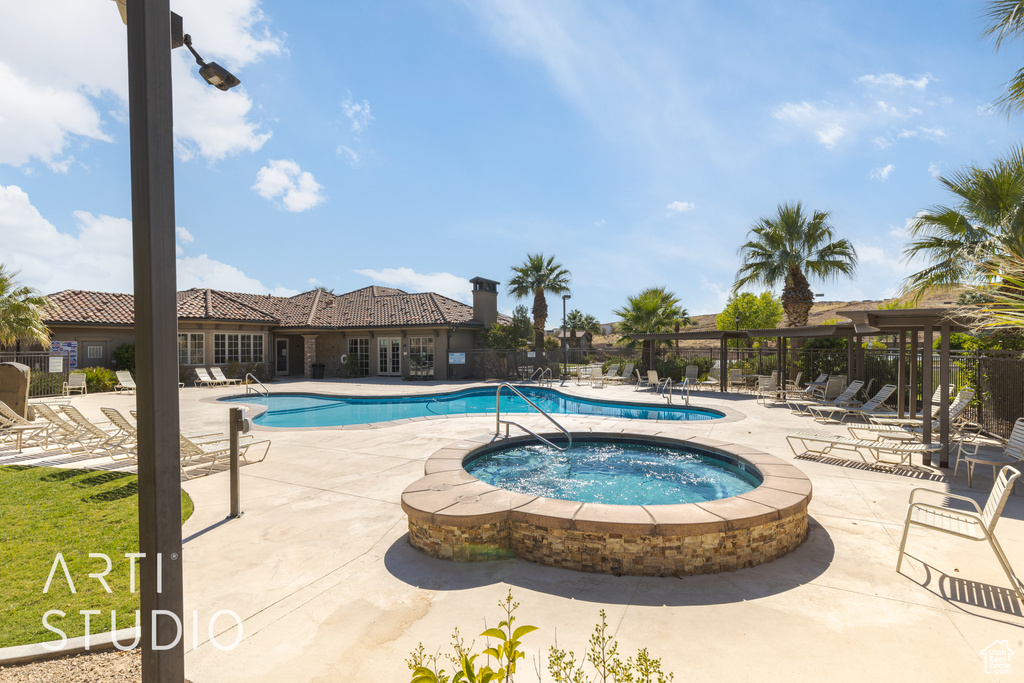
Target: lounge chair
(899, 429)
(201, 455)
(125, 382)
(125, 429)
(840, 413)
(891, 419)
(627, 374)
(714, 377)
(218, 375)
(62, 432)
(204, 379)
(843, 399)
(76, 382)
(816, 384)
(14, 427)
(1013, 452)
(92, 436)
(978, 525)
(877, 448)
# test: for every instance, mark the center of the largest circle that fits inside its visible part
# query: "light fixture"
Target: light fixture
(212, 72)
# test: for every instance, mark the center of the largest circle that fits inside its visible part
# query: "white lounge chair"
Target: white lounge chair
(979, 525)
(203, 378)
(76, 382)
(218, 375)
(830, 413)
(125, 382)
(202, 455)
(627, 374)
(126, 430)
(92, 435)
(843, 399)
(877, 448)
(1013, 452)
(13, 427)
(898, 429)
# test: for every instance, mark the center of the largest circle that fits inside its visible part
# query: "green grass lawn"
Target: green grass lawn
(45, 511)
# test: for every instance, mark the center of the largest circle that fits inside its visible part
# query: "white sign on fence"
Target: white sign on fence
(56, 365)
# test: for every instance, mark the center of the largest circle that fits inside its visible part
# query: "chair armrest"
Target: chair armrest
(938, 508)
(944, 495)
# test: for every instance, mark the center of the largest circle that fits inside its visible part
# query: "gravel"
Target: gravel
(100, 667)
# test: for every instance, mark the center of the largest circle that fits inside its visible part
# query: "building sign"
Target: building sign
(456, 359)
(66, 348)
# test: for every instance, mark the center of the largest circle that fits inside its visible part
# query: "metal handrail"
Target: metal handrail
(538, 376)
(498, 421)
(265, 392)
(684, 390)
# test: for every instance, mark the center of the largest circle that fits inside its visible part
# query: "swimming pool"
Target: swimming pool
(315, 410)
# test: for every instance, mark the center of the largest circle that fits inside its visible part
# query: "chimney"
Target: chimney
(485, 301)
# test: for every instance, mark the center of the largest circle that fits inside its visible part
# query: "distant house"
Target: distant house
(378, 331)
(583, 340)
(608, 328)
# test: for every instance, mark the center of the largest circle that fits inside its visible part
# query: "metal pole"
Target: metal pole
(926, 386)
(156, 354)
(901, 376)
(913, 374)
(944, 395)
(565, 344)
(234, 425)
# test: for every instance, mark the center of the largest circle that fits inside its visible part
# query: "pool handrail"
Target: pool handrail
(265, 392)
(684, 390)
(499, 421)
(541, 372)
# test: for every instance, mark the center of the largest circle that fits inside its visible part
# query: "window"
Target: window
(94, 351)
(237, 348)
(421, 357)
(359, 349)
(191, 348)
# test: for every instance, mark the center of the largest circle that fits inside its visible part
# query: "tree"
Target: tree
(1000, 308)
(521, 325)
(21, 312)
(786, 249)
(539, 277)
(578, 322)
(1006, 21)
(961, 241)
(653, 310)
(750, 311)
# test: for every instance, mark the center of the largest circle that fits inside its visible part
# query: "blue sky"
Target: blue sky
(419, 144)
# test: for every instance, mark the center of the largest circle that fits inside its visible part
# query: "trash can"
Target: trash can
(318, 370)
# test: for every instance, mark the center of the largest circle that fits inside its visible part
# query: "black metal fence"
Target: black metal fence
(44, 378)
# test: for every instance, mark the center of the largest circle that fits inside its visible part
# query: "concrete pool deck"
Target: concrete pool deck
(321, 572)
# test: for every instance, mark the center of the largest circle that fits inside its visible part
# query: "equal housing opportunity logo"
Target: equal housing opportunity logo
(156, 616)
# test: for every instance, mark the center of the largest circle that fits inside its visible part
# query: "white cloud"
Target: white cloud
(826, 123)
(353, 156)
(882, 142)
(52, 103)
(719, 291)
(283, 178)
(891, 80)
(358, 113)
(881, 173)
(451, 286)
(98, 254)
(922, 132)
(898, 113)
(181, 236)
(934, 170)
(681, 206)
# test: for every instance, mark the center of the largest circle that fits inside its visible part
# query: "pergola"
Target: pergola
(863, 323)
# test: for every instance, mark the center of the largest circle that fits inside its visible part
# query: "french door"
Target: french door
(389, 356)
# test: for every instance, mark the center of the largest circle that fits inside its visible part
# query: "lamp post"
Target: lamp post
(565, 345)
(152, 32)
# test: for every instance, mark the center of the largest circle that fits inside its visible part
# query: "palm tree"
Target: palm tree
(538, 277)
(987, 222)
(20, 312)
(789, 247)
(578, 322)
(999, 308)
(653, 310)
(1006, 20)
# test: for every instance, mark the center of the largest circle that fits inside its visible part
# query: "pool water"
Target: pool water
(615, 472)
(310, 410)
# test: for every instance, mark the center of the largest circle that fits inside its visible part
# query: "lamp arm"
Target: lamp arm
(188, 44)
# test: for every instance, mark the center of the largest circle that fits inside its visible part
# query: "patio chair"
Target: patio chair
(829, 413)
(768, 388)
(127, 430)
(1013, 452)
(690, 374)
(597, 379)
(795, 383)
(824, 393)
(900, 429)
(641, 380)
(76, 382)
(978, 525)
(714, 377)
(125, 382)
(14, 427)
(204, 379)
(92, 436)
(736, 378)
(818, 383)
(877, 448)
(218, 375)
(801, 406)
(201, 455)
(627, 374)
(654, 383)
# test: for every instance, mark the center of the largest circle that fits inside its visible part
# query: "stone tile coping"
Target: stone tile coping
(254, 410)
(97, 642)
(450, 496)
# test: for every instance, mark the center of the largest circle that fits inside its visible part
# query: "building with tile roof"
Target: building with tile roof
(370, 331)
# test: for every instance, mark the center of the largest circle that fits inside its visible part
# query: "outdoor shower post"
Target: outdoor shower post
(235, 424)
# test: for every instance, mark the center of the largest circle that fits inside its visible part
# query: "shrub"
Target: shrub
(124, 357)
(99, 379)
